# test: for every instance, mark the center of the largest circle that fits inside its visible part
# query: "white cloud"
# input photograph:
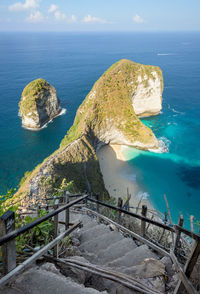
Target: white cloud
(35, 17)
(73, 18)
(138, 19)
(52, 8)
(28, 4)
(91, 19)
(59, 15)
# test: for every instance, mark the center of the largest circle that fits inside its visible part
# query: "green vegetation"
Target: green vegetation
(110, 100)
(26, 175)
(30, 94)
(35, 87)
(107, 107)
(39, 235)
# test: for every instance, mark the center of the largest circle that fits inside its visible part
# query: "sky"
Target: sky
(99, 15)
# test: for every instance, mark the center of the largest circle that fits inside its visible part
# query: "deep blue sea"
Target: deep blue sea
(72, 62)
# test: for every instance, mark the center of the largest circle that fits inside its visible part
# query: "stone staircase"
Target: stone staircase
(103, 246)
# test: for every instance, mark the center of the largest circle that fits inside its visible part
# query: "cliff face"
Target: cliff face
(147, 93)
(106, 116)
(39, 104)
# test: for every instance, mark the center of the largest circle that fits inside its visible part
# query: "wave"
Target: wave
(172, 123)
(142, 195)
(163, 146)
(174, 110)
(36, 130)
(63, 111)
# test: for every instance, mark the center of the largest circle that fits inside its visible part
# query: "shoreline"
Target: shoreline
(62, 112)
(118, 176)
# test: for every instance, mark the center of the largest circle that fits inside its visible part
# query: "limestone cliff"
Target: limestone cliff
(106, 116)
(39, 104)
(147, 93)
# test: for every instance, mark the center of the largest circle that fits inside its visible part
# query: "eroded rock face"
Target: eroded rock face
(106, 116)
(39, 104)
(147, 95)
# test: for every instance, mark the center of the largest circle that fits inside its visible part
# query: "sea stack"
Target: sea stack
(106, 116)
(39, 104)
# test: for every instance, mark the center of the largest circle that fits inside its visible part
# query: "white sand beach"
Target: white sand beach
(117, 174)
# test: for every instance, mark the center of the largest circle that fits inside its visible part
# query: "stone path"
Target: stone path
(97, 244)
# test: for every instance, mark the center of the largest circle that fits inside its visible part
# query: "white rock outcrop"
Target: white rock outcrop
(147, 95)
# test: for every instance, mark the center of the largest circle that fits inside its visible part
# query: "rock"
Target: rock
(106, 116)
(147, 96)
(39, 104)
(150, 268)
(113, 227)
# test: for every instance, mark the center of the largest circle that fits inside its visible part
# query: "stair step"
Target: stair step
(116, 250)
(101, 242)
(93, 233)
(36, 281)
(133, 257)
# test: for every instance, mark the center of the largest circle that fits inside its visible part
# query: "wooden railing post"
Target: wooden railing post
(177, 244)
(7, 225)
(189, 266)
(143, 223)
(119, 204)
(55, 249)
(97, 198)
(66, 211)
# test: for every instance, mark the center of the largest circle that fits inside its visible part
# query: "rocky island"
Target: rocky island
(39, 104)
(108, 115)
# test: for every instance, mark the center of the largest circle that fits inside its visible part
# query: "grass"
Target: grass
(29, 96)
(112, 101)
(109, 104)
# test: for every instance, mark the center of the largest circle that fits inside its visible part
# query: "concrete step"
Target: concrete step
(116, 250)
(39, 281)
(133, 257)
(93, 233)
(101, 243)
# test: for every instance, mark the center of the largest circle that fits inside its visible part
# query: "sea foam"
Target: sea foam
(63, 111)
(163, 146)
(142, 195)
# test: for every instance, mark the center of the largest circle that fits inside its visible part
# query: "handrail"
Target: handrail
(146, 219)
(38, 221)
(188, 233)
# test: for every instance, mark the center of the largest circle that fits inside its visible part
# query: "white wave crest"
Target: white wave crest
(63, 111)
(163, 145)
(165, 54)
(174, 110)
(142, 195)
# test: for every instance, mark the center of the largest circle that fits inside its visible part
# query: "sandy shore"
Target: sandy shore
(117, 175)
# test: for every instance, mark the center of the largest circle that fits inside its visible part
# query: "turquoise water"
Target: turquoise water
(176, 172)
(72, 62)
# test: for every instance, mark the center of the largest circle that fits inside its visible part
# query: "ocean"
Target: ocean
(72, 62)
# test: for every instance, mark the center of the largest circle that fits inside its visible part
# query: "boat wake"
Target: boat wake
(165, 54)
